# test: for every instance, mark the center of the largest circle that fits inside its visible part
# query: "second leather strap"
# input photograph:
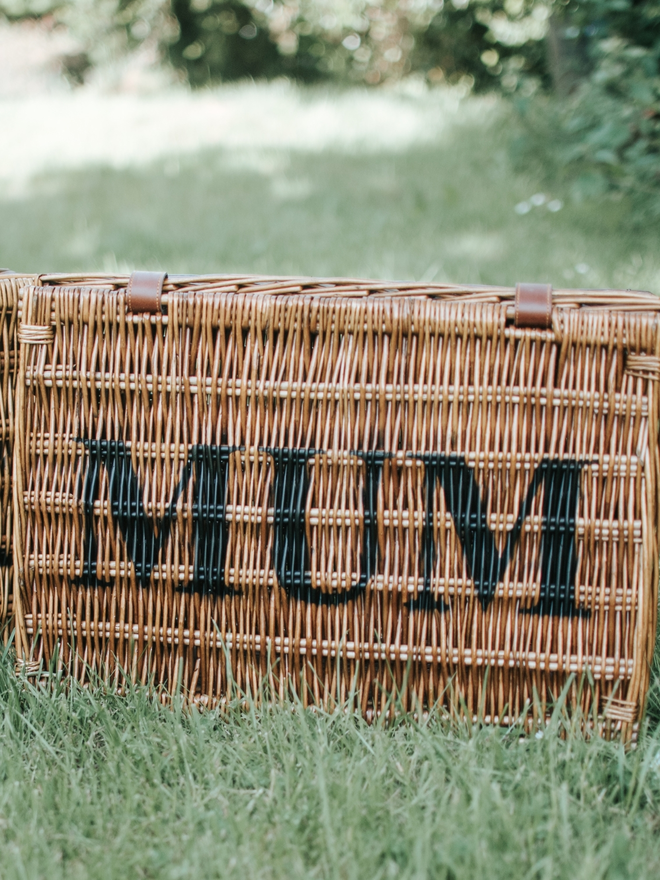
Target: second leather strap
(534, 305)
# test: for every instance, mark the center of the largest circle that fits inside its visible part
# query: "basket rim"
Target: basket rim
(353, 288)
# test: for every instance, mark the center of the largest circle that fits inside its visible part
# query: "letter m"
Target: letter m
(560, 479)
(145, 536)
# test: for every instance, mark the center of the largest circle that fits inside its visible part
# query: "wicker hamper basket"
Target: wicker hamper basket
(396, 494)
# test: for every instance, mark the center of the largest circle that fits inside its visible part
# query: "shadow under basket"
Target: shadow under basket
(395, 495)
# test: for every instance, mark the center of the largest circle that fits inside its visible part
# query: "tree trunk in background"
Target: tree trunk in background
(567, 54)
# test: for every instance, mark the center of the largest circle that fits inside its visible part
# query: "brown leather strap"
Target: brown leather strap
(144, 291)
(534, 305)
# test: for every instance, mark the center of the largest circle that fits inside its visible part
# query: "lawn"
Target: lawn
(100, 786)
(416, 186)
(272, 180)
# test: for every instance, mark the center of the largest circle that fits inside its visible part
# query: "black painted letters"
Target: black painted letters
(208, 467)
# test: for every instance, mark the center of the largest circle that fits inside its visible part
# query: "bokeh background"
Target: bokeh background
(466, 140)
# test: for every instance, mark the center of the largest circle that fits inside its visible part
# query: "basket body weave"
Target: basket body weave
(11, 285)
(344, 491)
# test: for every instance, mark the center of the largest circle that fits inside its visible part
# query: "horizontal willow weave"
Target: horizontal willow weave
(345, 489)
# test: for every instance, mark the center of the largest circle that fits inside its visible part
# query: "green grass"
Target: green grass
(100, 786)
(93, 785)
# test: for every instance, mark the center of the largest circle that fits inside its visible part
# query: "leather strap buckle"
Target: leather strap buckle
(144, 291)
(534, 305)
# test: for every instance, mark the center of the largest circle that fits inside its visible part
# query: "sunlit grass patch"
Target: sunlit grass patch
(419, 187)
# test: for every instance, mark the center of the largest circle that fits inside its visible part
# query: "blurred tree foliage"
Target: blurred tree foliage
(498, 44)
(358, 40)
(15, 10)
(612, 125)
(601, 127)
(489, 42)
(584, 73)
(214, 41)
